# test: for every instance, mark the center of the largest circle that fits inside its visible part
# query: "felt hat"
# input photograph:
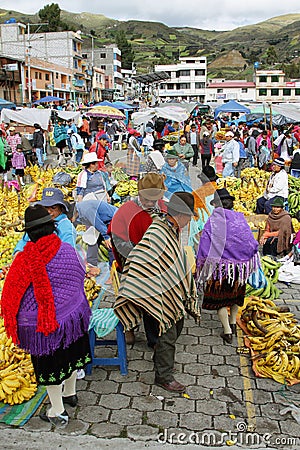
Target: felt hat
(221, 194)
(35, 216)
(171, 154)
(152, 186)
(208, 174)
(51, 197)
(181, 203)
(89, 158)
(279, 162)
(278, 202)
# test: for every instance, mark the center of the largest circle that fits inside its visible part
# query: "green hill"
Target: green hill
(156, 43)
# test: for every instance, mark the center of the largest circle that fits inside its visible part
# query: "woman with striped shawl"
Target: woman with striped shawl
(157, 279)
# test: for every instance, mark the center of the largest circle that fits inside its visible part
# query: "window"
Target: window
(74, 46)
(170, 86)
(75, 63)
(199, 85)
(36, 75)
(263, 79)
(274, 92)
(183, 73)
(297, 91)
(40, 75)
(56, 75)
(244, 90)
(47, 77)
(184, 86)
(220, 91)
(27, 73)
(103, 67)
(199, 72)
(103, 55)
(262, 92)
(286, 92)
(192, 61)
(274, 79)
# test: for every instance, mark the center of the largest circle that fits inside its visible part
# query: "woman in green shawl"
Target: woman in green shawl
(3, 158)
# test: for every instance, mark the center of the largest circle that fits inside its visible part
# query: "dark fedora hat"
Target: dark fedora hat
(221, 194)
(181, 203)
(35, 216)
(208, 174)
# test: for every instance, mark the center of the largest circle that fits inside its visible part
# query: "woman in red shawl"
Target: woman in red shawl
(46, 312)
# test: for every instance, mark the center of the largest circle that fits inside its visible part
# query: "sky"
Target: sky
(209, 14)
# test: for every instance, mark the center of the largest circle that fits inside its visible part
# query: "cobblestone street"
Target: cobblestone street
(226, 403)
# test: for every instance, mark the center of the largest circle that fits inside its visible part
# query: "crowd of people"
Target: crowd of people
(144, 238)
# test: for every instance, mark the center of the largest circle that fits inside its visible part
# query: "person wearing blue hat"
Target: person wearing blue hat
(53, 201)
(278, 186)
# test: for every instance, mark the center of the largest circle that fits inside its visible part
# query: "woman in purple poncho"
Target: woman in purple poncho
(46, 312)
(227, 255)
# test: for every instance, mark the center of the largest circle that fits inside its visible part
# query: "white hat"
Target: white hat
(90, 236)
(89, 158)
(229, 133)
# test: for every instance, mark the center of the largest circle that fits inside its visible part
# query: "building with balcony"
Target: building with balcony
(271, 86)
(221, 90)
(108, 59)
(62, 49)
(187, 79)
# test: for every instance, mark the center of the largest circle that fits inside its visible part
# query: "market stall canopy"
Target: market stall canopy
(117, 105)
(175, 113)
(105, 111)
(153, 77)
(232, 106)
(281, 114)
(189, 107)
(29, 116)
(49, 99)
(6, 104)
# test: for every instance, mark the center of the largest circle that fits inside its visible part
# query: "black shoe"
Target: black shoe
(60, 421)
(72, 400)
(226, 337)
(233, 328)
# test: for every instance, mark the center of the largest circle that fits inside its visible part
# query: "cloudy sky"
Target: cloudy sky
(209, 14)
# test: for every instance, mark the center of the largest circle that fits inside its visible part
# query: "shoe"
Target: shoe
(72, 400)
(172, 386)
(226, 337)
(233, 328)
(80, 374)
(129, 337)
(60, 420)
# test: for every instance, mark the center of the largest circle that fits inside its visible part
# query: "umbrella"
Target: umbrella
(104, 103)
(232, 106)
(6, 104)
(121, 105)
(106, 111)
(50, 99)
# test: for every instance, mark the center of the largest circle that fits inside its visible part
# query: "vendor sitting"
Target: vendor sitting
(276, 239)
(277, 187)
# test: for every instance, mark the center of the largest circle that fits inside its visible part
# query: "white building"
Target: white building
(187, 79)
(220, 90)
(271, 86)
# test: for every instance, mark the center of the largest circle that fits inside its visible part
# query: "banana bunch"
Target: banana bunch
(294, 195)
(102, 253)
(133, 189)
(296, 224)
(255, 173)
(275, 339)
(17, 379)
(119, 174)
(122, 188)
(270, 291)
(91, 289)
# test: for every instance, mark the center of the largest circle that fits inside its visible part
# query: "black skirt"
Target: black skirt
(55, 368)
(218, 295)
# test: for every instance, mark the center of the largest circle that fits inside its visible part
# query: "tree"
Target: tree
(271, 55)
(51, 14)
(126, 49)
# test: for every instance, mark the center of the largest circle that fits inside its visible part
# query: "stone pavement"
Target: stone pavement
(226, 403)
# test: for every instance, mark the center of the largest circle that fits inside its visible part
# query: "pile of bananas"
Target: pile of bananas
(296, 224)
(124, 188)
(270, 291)
(276, 341)
(294, 195)
(17, 379)
(246, 189)
(80, 244)
(91, 289)
(119, 174)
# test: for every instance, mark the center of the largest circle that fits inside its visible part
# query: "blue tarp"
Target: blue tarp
(232, 106)
(6, 104)
(117, 105)
(49, 99)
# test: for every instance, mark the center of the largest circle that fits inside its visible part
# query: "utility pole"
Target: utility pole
(29, 57)
(92, 76)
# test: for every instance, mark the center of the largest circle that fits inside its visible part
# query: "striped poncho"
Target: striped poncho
(157, 278)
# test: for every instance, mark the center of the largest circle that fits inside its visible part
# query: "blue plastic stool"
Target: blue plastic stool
(120, 360)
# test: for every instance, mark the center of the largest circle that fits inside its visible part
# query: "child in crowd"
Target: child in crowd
(19, 163)
(263, 155)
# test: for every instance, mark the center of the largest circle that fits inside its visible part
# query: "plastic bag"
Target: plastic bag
(257, 279)
(62, 178)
